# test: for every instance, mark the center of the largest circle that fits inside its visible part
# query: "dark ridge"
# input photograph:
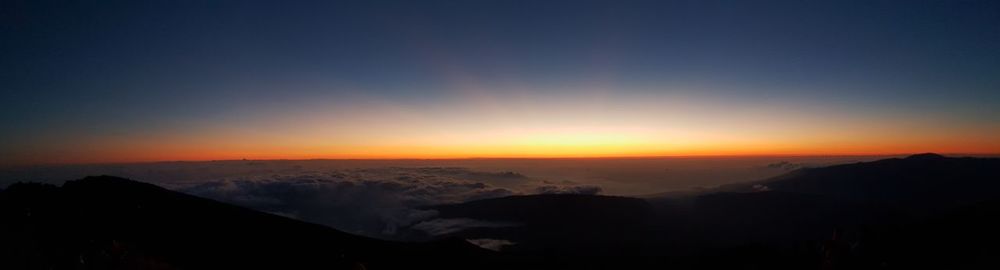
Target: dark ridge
(926, 156)
(922, 183)
(109, 222)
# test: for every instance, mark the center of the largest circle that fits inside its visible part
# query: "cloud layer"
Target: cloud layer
(442, 226)
(372, 201)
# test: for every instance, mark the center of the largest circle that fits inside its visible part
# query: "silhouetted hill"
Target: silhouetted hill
(877, 214)
(923, 182)
(113, 223)
(921, 211)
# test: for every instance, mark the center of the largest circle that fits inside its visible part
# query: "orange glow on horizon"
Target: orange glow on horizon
(154, 153)
(557, 128)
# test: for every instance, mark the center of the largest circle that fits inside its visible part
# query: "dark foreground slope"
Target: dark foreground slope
(114, 223)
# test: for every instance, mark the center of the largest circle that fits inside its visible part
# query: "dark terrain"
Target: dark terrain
(921, 211)
(924, 211)
(113, 223)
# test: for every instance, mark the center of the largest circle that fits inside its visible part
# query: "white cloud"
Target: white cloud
(442, 226)
(491, 244)
(370, 201)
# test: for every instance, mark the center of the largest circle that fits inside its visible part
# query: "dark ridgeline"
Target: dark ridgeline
(922, 183)
(924, 211)
(921, 211)
(113, 223)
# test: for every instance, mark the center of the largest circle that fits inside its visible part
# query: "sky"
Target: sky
(128, 81)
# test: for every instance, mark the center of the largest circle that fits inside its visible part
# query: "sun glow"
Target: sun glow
(480, 126)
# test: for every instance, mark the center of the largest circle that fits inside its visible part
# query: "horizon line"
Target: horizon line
(493, 158)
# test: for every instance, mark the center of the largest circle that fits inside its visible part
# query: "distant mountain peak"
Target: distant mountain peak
(926, 156)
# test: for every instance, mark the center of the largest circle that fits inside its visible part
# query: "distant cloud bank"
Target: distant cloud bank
(375, 201)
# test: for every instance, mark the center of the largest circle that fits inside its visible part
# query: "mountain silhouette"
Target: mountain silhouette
(923, 183)
(877, 214)
(113, 223)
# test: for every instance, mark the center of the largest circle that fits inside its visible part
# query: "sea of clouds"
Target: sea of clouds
(387, 198)
(375, 201)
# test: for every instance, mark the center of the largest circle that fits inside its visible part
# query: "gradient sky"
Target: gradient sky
(84, 81)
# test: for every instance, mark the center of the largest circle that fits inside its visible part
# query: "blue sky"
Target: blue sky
(96, 71)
